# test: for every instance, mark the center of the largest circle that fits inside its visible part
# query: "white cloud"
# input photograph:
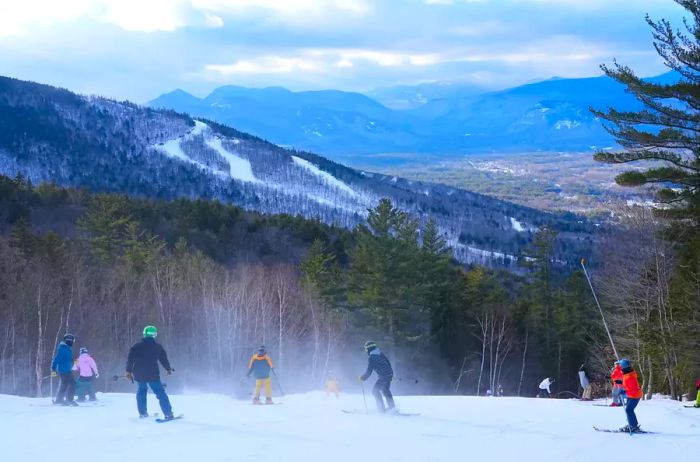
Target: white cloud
(19, 17)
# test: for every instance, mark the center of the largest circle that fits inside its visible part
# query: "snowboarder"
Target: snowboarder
(62, 365)
(87, 371)
(379, 363)
(332, 386)
(142, 367)
(545, 392)
(633, 391)
(260, 365)
(617, 391)
(585, 382)
(697, 394)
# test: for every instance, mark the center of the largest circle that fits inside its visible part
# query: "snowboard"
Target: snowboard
(610, 430)
(177, 417)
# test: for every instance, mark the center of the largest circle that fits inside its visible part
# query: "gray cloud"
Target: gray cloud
(348, 44)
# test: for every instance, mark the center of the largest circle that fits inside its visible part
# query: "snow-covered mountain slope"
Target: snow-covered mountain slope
(312, 427)
(49, 134)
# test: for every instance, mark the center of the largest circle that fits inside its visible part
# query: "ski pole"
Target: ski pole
(595, 297)
(362, 384)
(277, 379)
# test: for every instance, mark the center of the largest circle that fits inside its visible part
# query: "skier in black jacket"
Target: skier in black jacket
(380, 364)
(142, 366)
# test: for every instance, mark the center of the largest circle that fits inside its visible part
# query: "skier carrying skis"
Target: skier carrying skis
(630, 384)
(260, 365)
(62, 365)
(87, 371)
(585, 382)
(545, 392)
(617, 391)
(379, 363)
(142, 367)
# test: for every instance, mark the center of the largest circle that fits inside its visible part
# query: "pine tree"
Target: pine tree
(667, 129)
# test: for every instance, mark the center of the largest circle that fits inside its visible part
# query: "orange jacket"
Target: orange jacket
(616, 375)
(631, 384)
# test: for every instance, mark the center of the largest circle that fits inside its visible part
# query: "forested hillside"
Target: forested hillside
(218, 281)
(50, 134)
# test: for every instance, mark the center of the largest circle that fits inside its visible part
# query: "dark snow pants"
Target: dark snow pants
(160, 393)
(84, 387)
(66, 390)
(382, 388)
(629, 409)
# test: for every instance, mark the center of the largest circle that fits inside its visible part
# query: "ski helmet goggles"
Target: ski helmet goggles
(69, 339)
(150, 331)
(83, 350)
(369, 346)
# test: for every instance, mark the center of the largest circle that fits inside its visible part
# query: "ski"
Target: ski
(397, 413)
(693, 406)
(610, 430)
(177, 417)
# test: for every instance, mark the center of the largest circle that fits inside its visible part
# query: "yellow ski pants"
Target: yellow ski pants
(268, 387)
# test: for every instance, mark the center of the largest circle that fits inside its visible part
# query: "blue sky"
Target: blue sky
(138, 49)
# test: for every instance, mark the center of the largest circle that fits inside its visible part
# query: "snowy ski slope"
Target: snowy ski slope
(312, 427)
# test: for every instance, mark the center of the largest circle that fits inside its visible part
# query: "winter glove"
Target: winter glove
(170, 371)
(129, 376)
(360, 379)
(97, 376)
(53, 374)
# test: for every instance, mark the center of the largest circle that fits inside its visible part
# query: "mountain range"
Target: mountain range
(52, 135)
(428, 121)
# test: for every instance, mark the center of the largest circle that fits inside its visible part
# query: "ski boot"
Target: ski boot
(256, 400)
(268, 401)
(625, 429)
(143, 416)
(636, 429)
(169, 417)
(81, 400)
(71, 404)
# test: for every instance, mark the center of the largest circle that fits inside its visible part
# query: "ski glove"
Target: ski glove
(97, 376)
(53, 374)
(130, 376)
(360, 379)
(170, 371)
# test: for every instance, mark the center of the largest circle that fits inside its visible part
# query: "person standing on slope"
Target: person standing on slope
(545, 391)
(585, 382)
(380, 364)
(87, 371)
(697, 394)
(62, 365)
(617, 391)
(633, 391)
(142, 367)
(332, 385)
(260, 365)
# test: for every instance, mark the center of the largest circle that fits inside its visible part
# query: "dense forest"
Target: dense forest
(219, 281)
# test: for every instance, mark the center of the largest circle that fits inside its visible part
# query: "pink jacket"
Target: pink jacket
(85, 365)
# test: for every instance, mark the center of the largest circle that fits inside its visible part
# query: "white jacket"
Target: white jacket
(544, 385)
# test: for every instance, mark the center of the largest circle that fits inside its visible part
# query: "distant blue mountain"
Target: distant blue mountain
(552, 115)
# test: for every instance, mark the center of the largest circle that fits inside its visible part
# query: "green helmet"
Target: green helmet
(150, 331)
(369, 346)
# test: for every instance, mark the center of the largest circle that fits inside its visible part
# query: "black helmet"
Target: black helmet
(370, 346)
(262, 350)
(68, 339)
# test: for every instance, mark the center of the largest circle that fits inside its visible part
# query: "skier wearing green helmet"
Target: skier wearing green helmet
(142, 367)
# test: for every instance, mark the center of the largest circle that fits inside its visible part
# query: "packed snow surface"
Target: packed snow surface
(312, 427)
(240, 168)
(324, 176)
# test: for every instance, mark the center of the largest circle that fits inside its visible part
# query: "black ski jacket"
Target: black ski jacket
(143, 360)
(380, 364)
